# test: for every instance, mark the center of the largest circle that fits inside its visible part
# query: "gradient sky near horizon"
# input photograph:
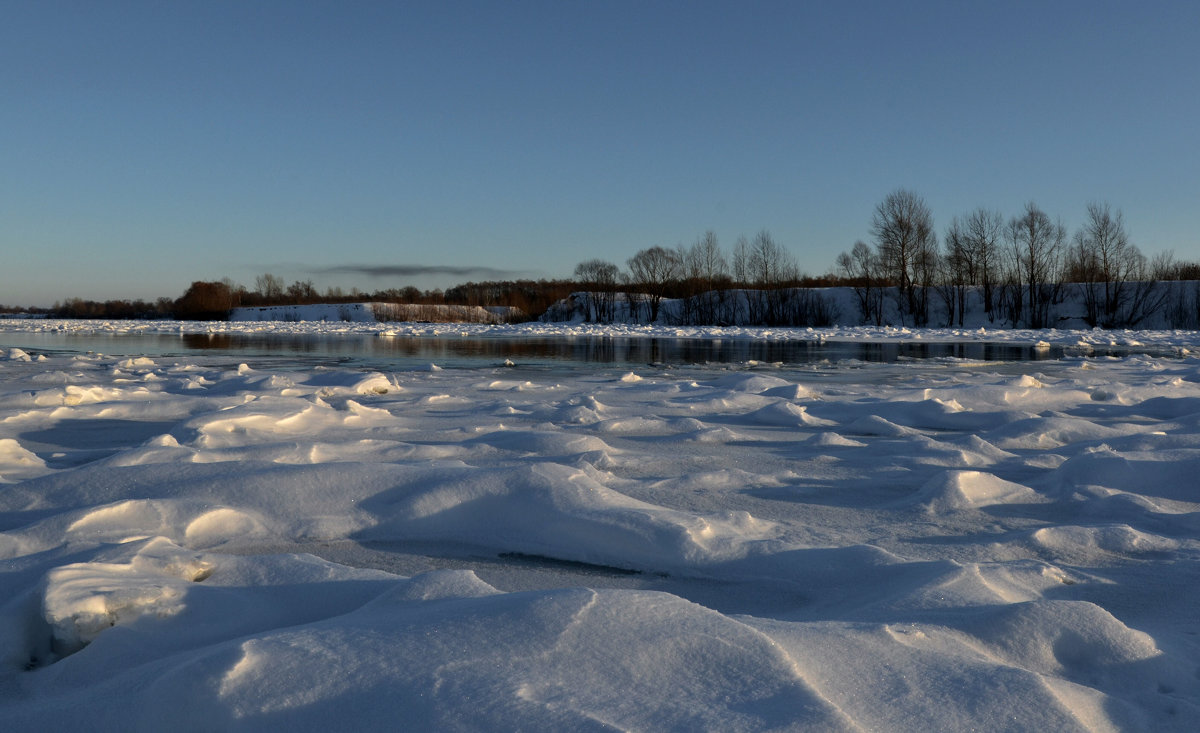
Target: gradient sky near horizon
(144, 145)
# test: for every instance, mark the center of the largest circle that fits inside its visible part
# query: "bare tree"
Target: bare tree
(301, 292)
(742, 279)
(708, 271)
(954, 272)
(861, 267)
(1035, 249)
(599, 279)
(706, 260)
(926, 266)
(906, 245)
(1106, 265)
(772, 270)
(983, 231)
(687, 289)
(269, 287)
(652, 271)
(1146, 294)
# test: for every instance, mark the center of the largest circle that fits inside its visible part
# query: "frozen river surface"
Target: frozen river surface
(224, 539)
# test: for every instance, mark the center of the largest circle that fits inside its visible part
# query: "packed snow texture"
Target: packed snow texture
(951, 545)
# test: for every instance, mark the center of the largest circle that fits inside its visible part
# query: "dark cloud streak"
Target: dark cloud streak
(415, 271)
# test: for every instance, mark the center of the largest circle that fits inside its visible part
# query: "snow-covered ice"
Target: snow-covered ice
(192, 544)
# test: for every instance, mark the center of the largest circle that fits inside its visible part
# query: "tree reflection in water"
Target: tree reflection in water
(399, 352)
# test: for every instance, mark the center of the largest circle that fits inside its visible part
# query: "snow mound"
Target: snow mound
(270, 419)
(122, 521)
(1164, 474)
(552, 510)
(222, 525)
(435, 585)
(834, 440)
(750, 383)
(791, 392)
(1075, 639)
(196, 524)
(716, 435)
(875, 425)
(542, 443)
(990, 583)
(329, 384)
(787, 414)
(573, 659)
(81, 600)
(506, 385)
(1044, 433)
(73, 395)
(958, 490)
(18, 463)
(1090, 542)
(638, 425)
(137, 363)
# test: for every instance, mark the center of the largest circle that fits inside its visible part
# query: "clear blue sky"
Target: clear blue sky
(144, 145)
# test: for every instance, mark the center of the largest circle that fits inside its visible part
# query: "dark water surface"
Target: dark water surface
(386, 352)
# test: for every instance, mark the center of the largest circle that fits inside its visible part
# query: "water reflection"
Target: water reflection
(401, 351)
(599, 350)
(207, 341)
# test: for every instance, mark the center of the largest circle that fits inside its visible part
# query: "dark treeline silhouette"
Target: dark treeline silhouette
(112, 309)
(214, 300)
(18, 310)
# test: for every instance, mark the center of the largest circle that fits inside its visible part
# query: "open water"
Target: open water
(409, 352)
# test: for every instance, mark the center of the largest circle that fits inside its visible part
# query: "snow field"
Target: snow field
(947, 545)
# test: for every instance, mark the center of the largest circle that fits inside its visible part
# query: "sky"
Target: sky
(145, 145)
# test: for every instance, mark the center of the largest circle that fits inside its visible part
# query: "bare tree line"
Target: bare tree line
(1014, 270)
(1018, 268)
(759, 283)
